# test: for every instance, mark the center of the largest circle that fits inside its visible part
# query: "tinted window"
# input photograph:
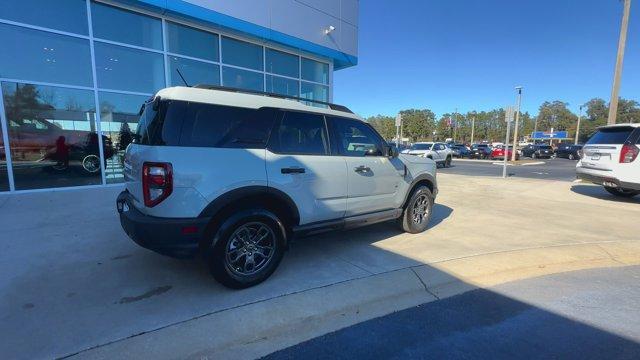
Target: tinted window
(240, 53)
(282, 63)
(42, 56)
(355, 138)
(226, 127)
(614, 136)
(161, 125)
(301, 133)
(124, 26)
(315, 71)
(284, 86)
(123, 68)
(242, 79)
(66, 15)
(191, 42)
(545, 147)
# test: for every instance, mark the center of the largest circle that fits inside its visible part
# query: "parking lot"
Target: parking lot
(550, 169)
(72, 283)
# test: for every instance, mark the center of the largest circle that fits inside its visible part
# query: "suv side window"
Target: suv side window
(208, 125)
(439, 147)
(300, 133)
(354, 138)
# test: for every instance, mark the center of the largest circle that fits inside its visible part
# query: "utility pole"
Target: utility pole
(613, 103)
(508, 117)
(455, 125)
(515, 130)
(473, 128)
(578, 127)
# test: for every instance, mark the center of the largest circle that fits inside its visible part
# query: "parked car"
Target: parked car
(462, 151)
(480, 151)
(44, 142)
(537, 151)
(400, 147)
(569, 151)
(610, 159)
(235, 176)
(498, 153)
(439, 152)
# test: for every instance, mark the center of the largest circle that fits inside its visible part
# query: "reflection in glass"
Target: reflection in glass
(192, 42)
(42, 56)
(65, 15)
(314, 92)
(242, 79)
(281, 63)
(111, 23)
(123, 68)
(52, 136)
(284, 86)
(194, 72)
(315, 71)
(240, 53)
(4, 177)
(118, 121)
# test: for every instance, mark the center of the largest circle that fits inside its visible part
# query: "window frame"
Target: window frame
(334, 135)
(272, 147)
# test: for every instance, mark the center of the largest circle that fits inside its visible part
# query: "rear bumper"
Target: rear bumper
(604, 180)
(175, 237)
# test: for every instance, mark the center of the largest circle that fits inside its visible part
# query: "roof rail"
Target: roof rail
(280, 96)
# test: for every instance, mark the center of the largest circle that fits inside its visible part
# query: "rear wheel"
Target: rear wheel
(626, 193)
(417, 214)
(248, 250)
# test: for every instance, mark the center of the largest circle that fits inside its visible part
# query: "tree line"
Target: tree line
(420, 124)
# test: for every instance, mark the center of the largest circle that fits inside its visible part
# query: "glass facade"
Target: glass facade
(49, 94)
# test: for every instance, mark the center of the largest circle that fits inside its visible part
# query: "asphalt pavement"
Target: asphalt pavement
(588, 314)
(552, 169)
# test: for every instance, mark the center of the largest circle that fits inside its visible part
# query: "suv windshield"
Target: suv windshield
(615, 135)
(421, 146)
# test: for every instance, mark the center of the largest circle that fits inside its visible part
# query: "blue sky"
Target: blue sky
(470, 54)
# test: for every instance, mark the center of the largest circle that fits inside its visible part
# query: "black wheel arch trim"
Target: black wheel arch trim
(231, 220)
(425, 177)
(237, 194)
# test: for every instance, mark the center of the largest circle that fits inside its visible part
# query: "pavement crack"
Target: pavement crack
(610, 255)
(424, 285)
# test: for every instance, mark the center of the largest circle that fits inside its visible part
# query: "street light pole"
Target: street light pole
(578, 127)
(473, 128)
(613, 103)
(515, 131)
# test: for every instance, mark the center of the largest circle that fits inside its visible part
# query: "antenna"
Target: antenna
(182, 77)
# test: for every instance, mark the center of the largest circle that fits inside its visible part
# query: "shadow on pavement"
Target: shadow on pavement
(479, 324)
(598, 192)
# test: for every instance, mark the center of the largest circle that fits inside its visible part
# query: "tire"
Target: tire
(447, 162)
(624, 193)
(571, 157)
(533, 155)
(257, 234)
(422, 200)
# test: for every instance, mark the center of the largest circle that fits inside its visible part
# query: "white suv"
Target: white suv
(609, 158)
(234, 176)
(438, 152)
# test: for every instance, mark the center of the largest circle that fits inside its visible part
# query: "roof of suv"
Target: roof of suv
(245, 100)
(620, 125)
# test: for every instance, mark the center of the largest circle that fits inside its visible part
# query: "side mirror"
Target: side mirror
(392, 152)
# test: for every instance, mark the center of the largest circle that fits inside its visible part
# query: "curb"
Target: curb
(260, 328)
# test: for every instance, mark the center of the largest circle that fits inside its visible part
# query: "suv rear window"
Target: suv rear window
(614, 136)
(181, 123)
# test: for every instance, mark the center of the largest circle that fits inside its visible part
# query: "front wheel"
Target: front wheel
(625, 193)
(571, 157)
(417, 214)
(447, 163)
(248, 250)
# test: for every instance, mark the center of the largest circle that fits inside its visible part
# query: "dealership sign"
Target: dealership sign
(550, 135)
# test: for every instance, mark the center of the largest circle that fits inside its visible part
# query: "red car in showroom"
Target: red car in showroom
(498, 153)
(44, 143)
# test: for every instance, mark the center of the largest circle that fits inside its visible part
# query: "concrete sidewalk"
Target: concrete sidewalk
(72, 283)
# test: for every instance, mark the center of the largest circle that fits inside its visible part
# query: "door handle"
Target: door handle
(362, 168)
(292, 170)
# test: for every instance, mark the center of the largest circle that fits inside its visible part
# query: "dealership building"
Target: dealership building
(62, 60)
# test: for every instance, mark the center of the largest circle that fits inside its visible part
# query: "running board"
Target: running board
(347, 223)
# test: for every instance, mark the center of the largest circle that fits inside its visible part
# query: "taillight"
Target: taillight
(628, 153)
(157, 182)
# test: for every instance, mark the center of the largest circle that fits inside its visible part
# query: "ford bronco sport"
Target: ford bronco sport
(234, 176)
